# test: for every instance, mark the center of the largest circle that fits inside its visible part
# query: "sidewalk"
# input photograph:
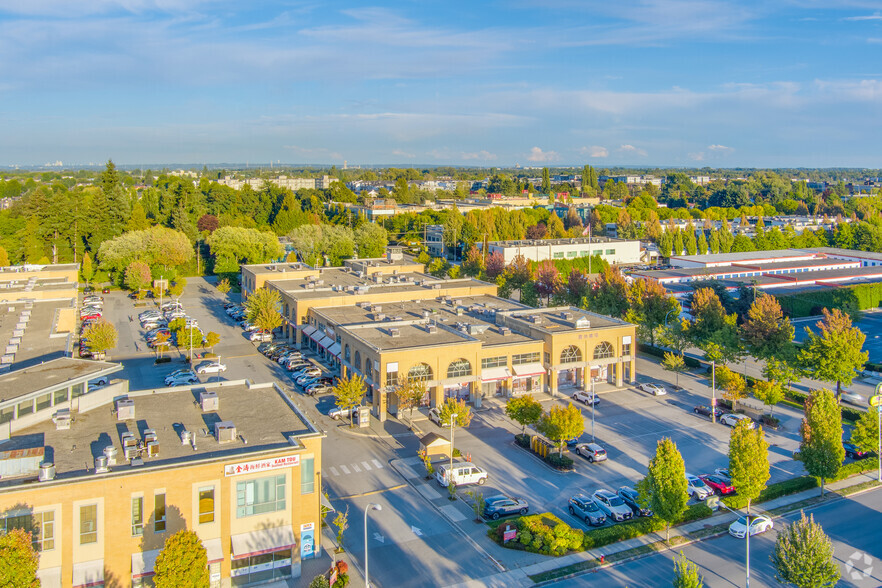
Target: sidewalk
(521, 577)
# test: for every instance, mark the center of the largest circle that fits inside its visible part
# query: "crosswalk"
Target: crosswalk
(355, 468)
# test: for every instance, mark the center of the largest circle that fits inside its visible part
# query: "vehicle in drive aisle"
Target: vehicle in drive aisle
(718, 484)
(732, 419)
(503, 506)
(852, 451)
(591, 451)
(612, 505)
(707, 411)
(340, 413)
(183, 380)
(759, 524)
(696, 488)
(587, 509)
(462, 474)
(853, 398)
(586, 397)
(319, 390)
(211, 368)
(632, 499)
(653, 389)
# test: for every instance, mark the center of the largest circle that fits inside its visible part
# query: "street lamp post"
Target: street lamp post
(450, 469)
(714, 502)
(367, 509)
(714, 392)
(593, 402)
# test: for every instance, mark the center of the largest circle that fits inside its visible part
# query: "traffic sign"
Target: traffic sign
(876, 400)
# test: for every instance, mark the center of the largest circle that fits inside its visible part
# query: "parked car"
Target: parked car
(178, 374)
(591, 451)
(99, 381)
(852, 451)
(696, 488)
(89, 316)
(88, 299)
(759, 524)
(587, 509)
(853, 398)
(105, 290)
(319, 390)
(720, 485)
(724, 474)
(307, 376)
(501, 506)
(266, 348)
(296, 366)
(707, 411)
(248, 326)
(171, 305)
(612, 505)
(184, 380)
(733, 419)
(462, 474)
(586, 397)
(341, 413)
(211, 368)
(435, 417)
(653, 389)
(632, 499)
(261, 336)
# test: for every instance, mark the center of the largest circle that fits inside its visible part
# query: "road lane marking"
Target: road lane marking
(366, 466)
(377, 464)
(371, 492)
(334, 471)
(356, 468)
(344, 469)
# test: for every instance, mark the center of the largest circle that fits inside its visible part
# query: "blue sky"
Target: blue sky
(536, 82)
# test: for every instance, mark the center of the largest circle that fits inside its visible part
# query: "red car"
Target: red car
(92, 316)
(718, 484)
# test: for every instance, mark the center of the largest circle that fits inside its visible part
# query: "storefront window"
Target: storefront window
(603, 350)
(459, 368)
(571, 354)
(421, 372)
(522, 358)
(261, 568)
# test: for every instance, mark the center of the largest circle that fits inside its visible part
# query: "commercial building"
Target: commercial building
(31, 282)
(614, 251)
(102, 477)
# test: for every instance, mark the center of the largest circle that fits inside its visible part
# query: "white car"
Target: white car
(653, 389)
(261, 336)
(211, 368)
(435, 417)
(183, 380)
(98, 382)
(759, 524)
(853, 398)
(341, 413)
(178, 374)
(732, 420)
(697, 488)
(586, 397)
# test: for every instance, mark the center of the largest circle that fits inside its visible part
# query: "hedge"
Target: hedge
(798, 400)
(847, 298)
(659, 352)
(774, 491)
(858, 466)
(541, 533)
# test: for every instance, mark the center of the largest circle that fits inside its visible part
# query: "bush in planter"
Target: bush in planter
(769, 420)
(561, 462)
(523, 440)
(457, 452)
(536, 534)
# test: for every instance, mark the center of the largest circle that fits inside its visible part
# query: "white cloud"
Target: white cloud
(696, 156)
(858, 91)
(721, 148)
(479, 155)
(594, 151)
(538, 156)
(402, 153)
(865, 17)
(630, 149)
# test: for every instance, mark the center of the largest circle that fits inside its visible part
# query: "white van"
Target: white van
(464, 473)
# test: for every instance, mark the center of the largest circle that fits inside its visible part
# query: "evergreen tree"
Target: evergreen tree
(804, 556)
(686, 573)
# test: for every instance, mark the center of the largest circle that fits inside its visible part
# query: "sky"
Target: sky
(693, 83)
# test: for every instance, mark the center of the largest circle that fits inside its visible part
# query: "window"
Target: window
(522, 358)
(159, 513)
(6, 414)
(137, 516)
(459, 368)
(572, 253)
(491, 362)
(558, 254)
(260, 496)
(60, 396)
(44, 534)
(546, 357)
(88, 524)
(626, 349)
(77, 390)
(603, 350)
(26, 407)
(44, 401)
(610, 251)
(307, 475)
(391, 375)
(357, 361)
(347, 354)
(571, 354)
(206, 505)
(421, 372)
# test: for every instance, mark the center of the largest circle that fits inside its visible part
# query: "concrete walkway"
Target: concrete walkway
(520, 577)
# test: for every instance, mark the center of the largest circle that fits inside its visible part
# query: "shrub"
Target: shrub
(773, 491)
(856, 467)
(542, 533)
(523, 440)
(561, 462)
(769, 420)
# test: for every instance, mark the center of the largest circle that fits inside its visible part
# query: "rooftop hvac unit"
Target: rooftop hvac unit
(125, 409)
(431, 329)
(394, 332)
(101, 466)
(426, 313)
(209, 401)
(459, 310)
(110, 452)
(536, 319)
(47, 471)
(504, 331)
(225, 431)
(379, 316)
(186, 437)
(377, 308)
(152, 448)
(436, 286)
(62, 419)
(149, 435)
(567, 316)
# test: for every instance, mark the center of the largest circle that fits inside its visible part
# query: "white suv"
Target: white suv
(696, 487)
(464, 473)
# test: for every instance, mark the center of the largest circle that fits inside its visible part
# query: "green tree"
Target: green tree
(410, 394)
(473, 262)
(712, 326)
(223, 286)
(348, 393)
(100, 336)
(562, 423)
(4, 257)
(86, 269)
(211, 339)
(137, 276)
(370, 240)
(733, 384)
(320, 581)
(263, 308)
(183, 562)
(865, 433)
(341, 521)
(804, 557)
(834, 353)
(686, 573)
(525, 410)
(651, 306)
(770, 393)
(452, 406)
(674, 363)
(821, 450)
(176, 289)
(766, 332)
(546, 181)
(748, 461)
(18, 560)
(663, 490)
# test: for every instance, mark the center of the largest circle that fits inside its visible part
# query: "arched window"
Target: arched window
(571, 354)
(358, 361)
(458, 368)
(368, 372)
(603, 350)
(421, 372)
(347, 354)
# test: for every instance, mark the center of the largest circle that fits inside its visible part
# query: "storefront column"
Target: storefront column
(552, 382)
(475, 392)
(436, 396)
(380, 405)
(633, 369)
(619, 375)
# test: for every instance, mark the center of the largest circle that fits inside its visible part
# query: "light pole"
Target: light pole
(667, 315)
(450, 469)
(714, 392)
(367, 509)
(593, 402)
(714, 502)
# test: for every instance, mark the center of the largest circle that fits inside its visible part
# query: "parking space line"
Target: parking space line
(334, 471)
(356, 468)
(366, 466)
(377, 464)
(344, 469)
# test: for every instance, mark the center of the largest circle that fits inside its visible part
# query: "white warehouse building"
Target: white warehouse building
(614, 251)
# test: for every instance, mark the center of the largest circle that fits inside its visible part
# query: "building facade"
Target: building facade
(614, 251)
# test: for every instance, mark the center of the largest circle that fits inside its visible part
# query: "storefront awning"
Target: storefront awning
(529, 369)
(316, 335)
(334, 350)
(326, 504)
(263, 541)
(494, 374)
(307, 330)
(50, 577)
(143, 562)
(88, 573)
(326, 342)
(214, 550)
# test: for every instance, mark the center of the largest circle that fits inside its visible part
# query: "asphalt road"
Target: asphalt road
(852, 525)
(870, 323)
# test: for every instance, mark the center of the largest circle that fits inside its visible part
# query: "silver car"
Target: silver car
(613, 506)
(853, 398)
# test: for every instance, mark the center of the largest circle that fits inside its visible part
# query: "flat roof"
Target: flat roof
(52, 373)
(15, 269)
(38, 343)
(846, 252)
(260, 414)
(410, 335)
(688, 272)
(742, 256)
(563, 241)
(398, 283)
(553, 320)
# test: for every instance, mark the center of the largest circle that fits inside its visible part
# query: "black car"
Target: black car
(500, 506)
(88, 289)
(852, 451)
(706, 411)
(630, 496)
